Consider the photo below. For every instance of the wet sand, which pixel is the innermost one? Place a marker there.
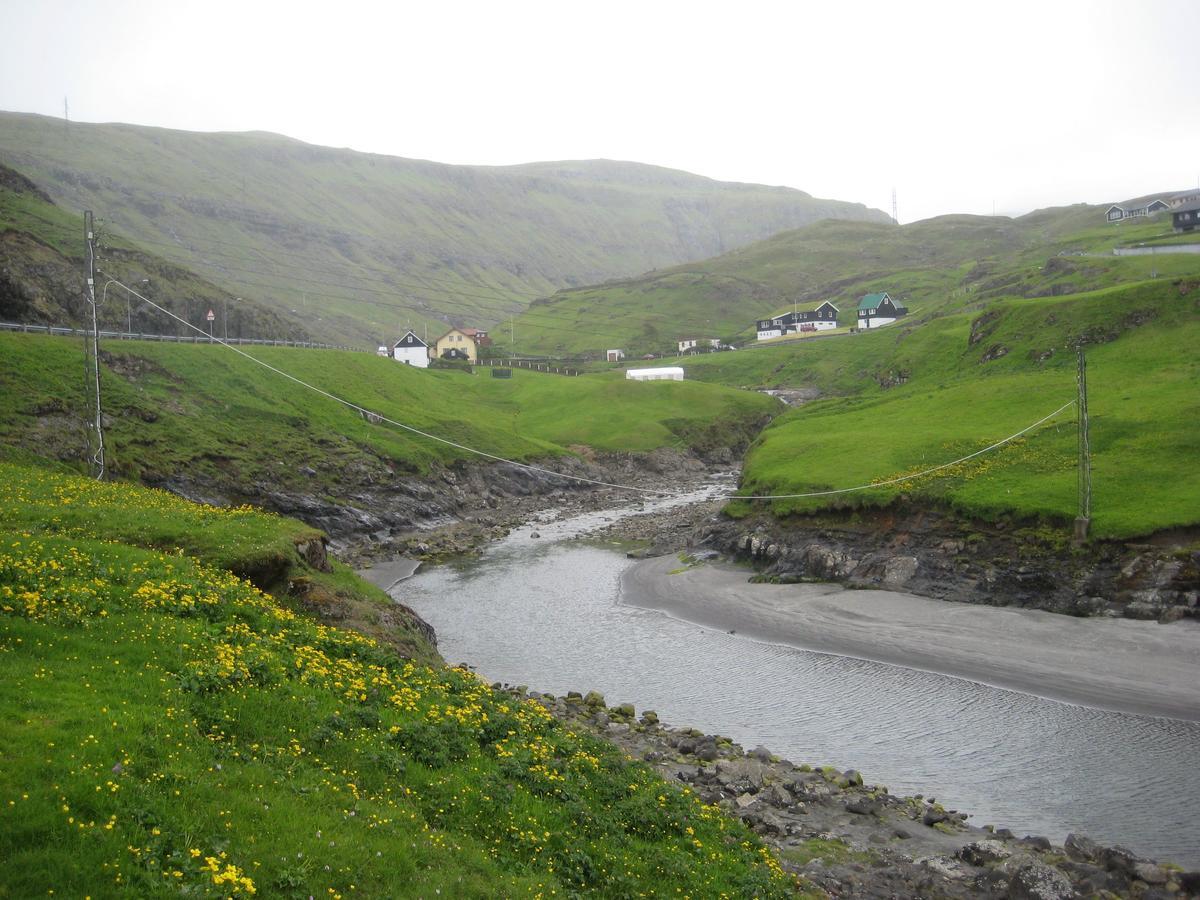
(1137, 667)
(386, 575)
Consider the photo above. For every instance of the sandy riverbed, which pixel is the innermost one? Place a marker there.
(1118, 664)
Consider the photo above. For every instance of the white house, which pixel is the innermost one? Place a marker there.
(667, 373)
(614, 355)
(412, 351)
(823, 318)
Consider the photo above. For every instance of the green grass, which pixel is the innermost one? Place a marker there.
(204, 414)
(167, 728)
(936, 267)
(1145, 412)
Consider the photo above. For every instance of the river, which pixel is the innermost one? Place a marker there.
(546, 612)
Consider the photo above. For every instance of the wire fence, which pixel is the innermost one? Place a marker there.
(185, 339)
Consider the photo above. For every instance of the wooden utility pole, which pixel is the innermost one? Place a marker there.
(1084, 519)
(92, 350)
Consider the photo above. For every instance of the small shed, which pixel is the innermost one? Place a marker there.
(666, 373)
(615, 355)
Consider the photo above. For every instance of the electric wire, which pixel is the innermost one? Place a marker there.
(579, 478)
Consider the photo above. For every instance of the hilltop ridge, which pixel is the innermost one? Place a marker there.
(371, 240)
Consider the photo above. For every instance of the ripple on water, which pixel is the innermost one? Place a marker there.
(547, 615)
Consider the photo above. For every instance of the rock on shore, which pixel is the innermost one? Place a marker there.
(850, 838)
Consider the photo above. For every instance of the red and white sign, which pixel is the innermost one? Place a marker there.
(210, 316)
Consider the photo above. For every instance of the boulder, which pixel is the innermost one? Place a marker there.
(1038, 881)
(980, 853)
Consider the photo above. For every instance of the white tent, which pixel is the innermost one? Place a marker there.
(667, 373)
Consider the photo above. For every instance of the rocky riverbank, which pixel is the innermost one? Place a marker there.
(848, 838)
(933, 553)
(458, 509)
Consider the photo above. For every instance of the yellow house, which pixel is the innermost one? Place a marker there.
(456, 344)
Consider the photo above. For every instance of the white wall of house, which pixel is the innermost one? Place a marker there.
(770, 333)
(413, 356)
(875, 322)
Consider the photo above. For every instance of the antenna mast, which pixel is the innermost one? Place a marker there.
(895, 214)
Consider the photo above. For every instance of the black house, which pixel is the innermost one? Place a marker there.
(1186, 217)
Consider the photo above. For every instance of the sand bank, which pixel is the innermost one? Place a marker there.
(1118, 664)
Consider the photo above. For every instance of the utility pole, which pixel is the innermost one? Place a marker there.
(895, 213)
(92, 350)
(1084, 519)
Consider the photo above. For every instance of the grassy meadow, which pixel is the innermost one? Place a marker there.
(916, 398)
(170, 729)
(203, 411)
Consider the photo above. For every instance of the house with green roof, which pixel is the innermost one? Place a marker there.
(877, 310)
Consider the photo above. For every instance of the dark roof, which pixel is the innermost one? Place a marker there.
(1187, 207)
(415, 341)
(871, 301)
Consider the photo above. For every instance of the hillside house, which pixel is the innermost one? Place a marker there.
(877, 310)
(694, 345)
(823, 318)
(666, 373)
(383, 351)
(1186, 217)
(1183, 198)
(1135, 209)
(457, 343)
(614, 355)
(478, 335)
(412, 351)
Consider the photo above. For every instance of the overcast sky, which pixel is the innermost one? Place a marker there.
(962, 106)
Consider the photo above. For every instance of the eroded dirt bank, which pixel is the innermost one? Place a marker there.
(935, 554)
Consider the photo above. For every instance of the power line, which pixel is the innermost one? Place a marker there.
(532, 468)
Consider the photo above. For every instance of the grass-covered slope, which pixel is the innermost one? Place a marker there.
(914, 398)
(208, 413)
(42, 254)
(168, 729)
(936, 266)
(364, 242)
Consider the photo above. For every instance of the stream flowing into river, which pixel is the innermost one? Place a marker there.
(546, 612)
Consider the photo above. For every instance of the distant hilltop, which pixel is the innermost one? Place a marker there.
(355, 243)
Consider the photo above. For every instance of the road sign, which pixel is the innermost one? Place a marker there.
(210, 316)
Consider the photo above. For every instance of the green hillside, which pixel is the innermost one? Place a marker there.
(903, 400)
(367, 244)
(218, 418)
(169, 729)
(41, 277)
(936, 266)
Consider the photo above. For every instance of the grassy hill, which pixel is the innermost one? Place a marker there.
(41, 276)
(936, 267)
(901, 400)
(217, 417)
(366, 244)
(171, 729)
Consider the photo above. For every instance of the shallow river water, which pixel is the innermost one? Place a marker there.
(546, 612)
